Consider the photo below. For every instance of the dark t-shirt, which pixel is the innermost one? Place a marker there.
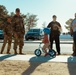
(54, 29)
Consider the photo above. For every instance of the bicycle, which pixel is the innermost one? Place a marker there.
(39, 51)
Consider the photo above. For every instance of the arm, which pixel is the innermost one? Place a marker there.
(14, 26)
(49, 25)
(23, 26)
(45, 39)
(72, 27)
(71, 30)
(59, 27)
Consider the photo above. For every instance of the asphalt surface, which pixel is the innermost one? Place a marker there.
(30, 46)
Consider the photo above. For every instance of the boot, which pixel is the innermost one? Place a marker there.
(2, 51)
(20, 52)
(15, 51)
(8, 51)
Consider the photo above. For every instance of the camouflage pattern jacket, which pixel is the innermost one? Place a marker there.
(7, 28)
(18, 24)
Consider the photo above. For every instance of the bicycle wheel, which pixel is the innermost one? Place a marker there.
(52, 53)
(37, 52)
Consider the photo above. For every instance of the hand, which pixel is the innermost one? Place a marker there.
(57, 26)
(74, 25)
(43, 41)
(5, 35)
(15, 35)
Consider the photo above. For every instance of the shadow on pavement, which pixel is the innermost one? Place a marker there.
(34, 63)
(6, 56)
(72, 65)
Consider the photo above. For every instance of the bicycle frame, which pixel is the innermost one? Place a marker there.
(40, 48)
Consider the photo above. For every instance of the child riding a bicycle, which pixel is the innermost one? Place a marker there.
(46, 40)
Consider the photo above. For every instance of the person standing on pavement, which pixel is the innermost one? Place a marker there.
(73, 33)
(19, 31)
(7, 28)
(55, 33)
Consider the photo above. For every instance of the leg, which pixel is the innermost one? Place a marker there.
(74, 45)
(57, 42)
(73, 49)
(4, 44)
(21, 44)
(51, 42)
(44, 48)
(15, 45)
(9, 44)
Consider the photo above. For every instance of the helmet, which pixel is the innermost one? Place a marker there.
(46, 30)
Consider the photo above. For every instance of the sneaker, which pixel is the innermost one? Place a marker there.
(58, 54)
(15, 52)
(46, 54)
(73, 54)
(1, 53)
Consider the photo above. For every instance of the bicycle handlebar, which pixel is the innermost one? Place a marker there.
(40, 42)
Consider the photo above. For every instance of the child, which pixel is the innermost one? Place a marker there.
(7, 28)
(46, 40)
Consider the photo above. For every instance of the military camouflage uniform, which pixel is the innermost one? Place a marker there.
(7, 28)
(19, 30)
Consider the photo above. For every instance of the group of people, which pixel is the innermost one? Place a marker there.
(14, 26)
(55, 33)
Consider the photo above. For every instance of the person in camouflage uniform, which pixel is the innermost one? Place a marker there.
(19, 31)
(7, 28)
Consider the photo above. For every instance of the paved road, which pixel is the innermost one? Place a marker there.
(30, 46)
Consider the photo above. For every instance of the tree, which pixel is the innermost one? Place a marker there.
(12, 14)
(3, 14)
(68, 22)
(31, 20)
(44, 25)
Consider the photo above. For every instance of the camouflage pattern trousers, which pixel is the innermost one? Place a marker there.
(7, 39)
(19, 41)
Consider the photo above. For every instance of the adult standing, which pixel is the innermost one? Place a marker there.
(73, 33)
(18, 31)
(55, 33)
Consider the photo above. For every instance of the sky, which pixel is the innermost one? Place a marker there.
(44, 9)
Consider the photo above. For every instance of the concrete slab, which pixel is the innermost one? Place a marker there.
(33, 58)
